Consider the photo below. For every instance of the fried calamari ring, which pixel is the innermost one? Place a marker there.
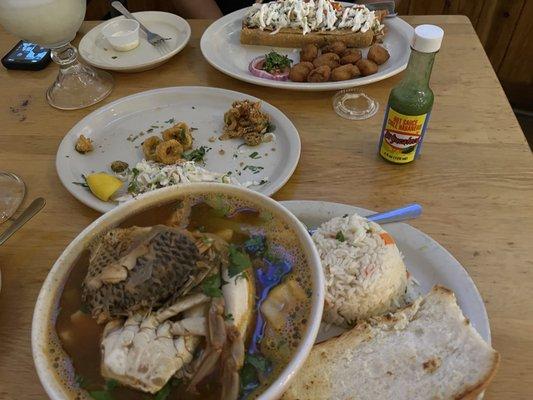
(180, 132)
(169, 152)
(149, 146)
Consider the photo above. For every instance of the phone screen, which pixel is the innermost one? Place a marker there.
(27, 52)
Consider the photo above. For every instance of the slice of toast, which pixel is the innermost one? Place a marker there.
(425, 351)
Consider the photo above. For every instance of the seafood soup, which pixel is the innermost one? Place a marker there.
(206, 297)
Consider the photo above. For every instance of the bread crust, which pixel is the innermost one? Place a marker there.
(473, 392)
(324, 353)
(288, 37)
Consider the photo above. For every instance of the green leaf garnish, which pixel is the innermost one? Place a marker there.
(111, 384)
(101, 395)
(255, 155)
(340, 236)
(275, 62)
(239, 261)
(164, 392)
(255, 169)
(211, 286)
(260, 363)
(196, 155)
(270, 127)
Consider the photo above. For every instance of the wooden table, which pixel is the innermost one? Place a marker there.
(475, 181)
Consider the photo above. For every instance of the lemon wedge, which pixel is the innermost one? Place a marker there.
(103, 185)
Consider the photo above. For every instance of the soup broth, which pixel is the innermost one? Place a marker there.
(278, 270)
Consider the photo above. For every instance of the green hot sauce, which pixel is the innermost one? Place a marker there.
(411, 101)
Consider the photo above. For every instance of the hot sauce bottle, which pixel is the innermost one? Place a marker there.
(410, 102)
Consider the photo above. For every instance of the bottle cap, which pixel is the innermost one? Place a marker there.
(427, 38)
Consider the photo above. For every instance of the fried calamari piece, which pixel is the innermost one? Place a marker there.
(149, 146)
(169, 152)
(84, 145)
(245, 118)
(180, 132)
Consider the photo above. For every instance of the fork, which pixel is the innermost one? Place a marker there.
(153, 38)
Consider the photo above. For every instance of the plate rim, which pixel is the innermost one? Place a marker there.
(137, 67)
(102, 207)
(364, 211)
(402, 25)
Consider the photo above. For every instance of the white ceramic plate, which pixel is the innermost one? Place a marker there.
(428, 261)
(115, 130)
(221, 47)
(97, 51)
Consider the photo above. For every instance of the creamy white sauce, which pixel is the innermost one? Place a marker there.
(311, 16)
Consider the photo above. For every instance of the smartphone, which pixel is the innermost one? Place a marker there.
(28, 56)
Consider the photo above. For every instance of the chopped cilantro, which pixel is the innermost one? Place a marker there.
(270, 127)
(132, 186)
(220, 206)
(101, 395)
(170, 121)
(256, 245)
(260, 363)
(164, 392)
(85, 309)
(255, 366)
(82, 184)
(228, 317)
(263, 181)
(111, 384)
(340, 236)
(255, 155)
(211, 286)
(239, 261)
(80, 381)
(275, 62)
(196, 154)
(253, 168)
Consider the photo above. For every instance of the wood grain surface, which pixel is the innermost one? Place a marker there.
(475, 181)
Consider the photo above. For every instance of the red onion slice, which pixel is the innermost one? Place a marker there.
(255, 69)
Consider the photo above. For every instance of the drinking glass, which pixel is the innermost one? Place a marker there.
(12, 191)
(53, 24)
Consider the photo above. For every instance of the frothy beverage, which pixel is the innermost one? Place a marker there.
(49, 23)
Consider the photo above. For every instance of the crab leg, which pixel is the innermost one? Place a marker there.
(233, 360)
(181, 305)
(216, 339)
(190, 326)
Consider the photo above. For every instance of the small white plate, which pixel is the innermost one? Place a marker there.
(222, 48)
(115, 131)
(96, 50)
(429, 262)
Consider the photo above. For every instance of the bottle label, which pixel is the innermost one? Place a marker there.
(401, 136)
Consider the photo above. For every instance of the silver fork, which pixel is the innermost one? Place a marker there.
(153, 38)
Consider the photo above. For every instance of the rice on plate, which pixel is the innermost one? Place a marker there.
(364, 271)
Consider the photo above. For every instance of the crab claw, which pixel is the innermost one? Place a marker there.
(216, 339)
(233, 360)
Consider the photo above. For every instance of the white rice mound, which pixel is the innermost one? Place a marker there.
(364, 276)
